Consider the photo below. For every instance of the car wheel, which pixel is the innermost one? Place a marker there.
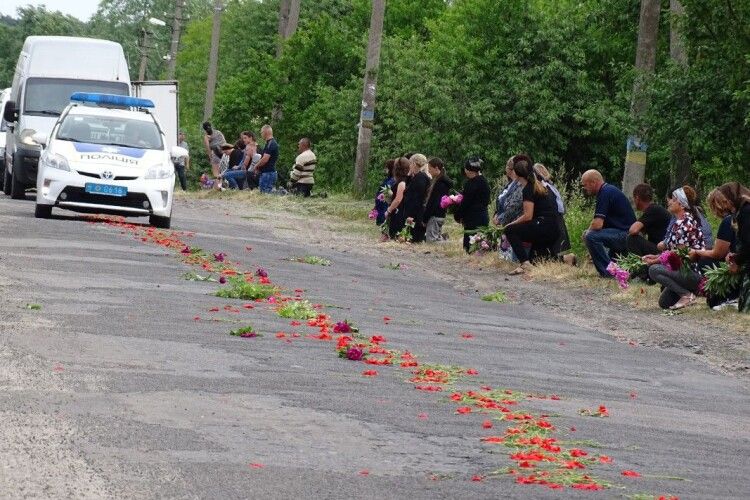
(160, 222)
(43, 211)
(17, 190)
(6, 181)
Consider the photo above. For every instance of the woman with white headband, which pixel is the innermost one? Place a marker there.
(678, 285)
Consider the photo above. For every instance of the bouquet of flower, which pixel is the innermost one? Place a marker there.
(404, 236)
(373, 214)
(676, 260)
(719, 282)
(386, 193)
(451, 200)
(621, 275)
(631, 263)
(484, 239)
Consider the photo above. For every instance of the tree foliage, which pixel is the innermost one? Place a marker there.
(457, 78)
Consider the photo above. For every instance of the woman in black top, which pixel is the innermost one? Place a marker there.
(472, 212)
(738, 204)
(537, 224)
(395, 211)
(414, 196)
(434, 214)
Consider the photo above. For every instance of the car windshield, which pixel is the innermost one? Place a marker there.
(110, 131)
(49, 96)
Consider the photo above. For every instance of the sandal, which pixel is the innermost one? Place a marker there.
(522, 269)
(685, 301)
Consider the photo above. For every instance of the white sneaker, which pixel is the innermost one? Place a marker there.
(734, 303)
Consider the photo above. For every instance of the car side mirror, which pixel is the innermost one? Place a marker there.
(40, 138)
(10, 113)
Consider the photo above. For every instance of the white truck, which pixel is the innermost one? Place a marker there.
(49, 70)
(165, 96)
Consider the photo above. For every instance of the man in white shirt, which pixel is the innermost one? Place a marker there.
(301, 175)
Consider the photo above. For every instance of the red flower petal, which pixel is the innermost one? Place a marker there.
(369, 373)
(477, 478)
(422, 416)
(605, 459)
(487, 424)
(463, 410)
(472, 371)
(467, 335)
(257, 466)
(364, 472)
(630, 473)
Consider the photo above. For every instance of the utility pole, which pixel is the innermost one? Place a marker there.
(369, 92)
(681, 162)
(213, 61)
(176, 28)
(144, 55)
(645, 64)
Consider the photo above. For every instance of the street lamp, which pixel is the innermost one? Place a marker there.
(145, 47)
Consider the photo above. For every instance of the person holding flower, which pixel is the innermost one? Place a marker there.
(434, 212)
(538, 222)
(382, 199)
(724, 244)
(738, 201)
(395, 211)
(472, 211)
(679, 281)
(414, 197)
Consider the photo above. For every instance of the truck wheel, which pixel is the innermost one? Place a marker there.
(43, 211)
(6, 181)
(160, 222)
(17, 190)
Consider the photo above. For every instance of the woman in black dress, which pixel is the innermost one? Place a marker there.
(434, 214)
(414, 197)
(395, 213)
(472, 212)
(538, 222)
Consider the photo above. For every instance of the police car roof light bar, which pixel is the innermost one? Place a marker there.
(112, 100)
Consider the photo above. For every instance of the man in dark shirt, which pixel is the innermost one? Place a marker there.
(653, 222)
(613, 216)
(267, 164)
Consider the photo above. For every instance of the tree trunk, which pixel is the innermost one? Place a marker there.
(367, 116)
(213, 61)
(681, 163)
(288, 21)
(293, 21)
(284, 7)
(176, 29)
(645, 63)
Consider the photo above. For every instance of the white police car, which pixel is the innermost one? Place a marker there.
(107, 154)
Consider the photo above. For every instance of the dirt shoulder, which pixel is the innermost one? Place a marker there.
(721, 339)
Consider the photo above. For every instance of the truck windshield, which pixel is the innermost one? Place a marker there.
(49, 96)
(110, 131)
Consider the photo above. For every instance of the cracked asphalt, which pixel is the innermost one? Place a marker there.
(113, 390)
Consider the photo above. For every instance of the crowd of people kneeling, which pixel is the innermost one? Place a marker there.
(673, 246)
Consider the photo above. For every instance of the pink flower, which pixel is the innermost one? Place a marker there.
(355, 354)
(670, 260)
(222, 280)
(342, 327)
(185, 251)
(373, 214)
(458, 199)
(219, 257)
(622, 276)
(445, 202)
(381, 197)
(260, 272)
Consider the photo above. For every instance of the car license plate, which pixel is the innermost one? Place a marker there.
(106, 189)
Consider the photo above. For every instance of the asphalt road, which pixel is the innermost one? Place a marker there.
(114, 389)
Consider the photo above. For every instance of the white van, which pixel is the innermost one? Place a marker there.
(4, 96)
(49, 70)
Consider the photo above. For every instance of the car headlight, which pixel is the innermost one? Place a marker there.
(53, 160)
(27, 137)
(160, 171)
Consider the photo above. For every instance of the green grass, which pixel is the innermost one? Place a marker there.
(498, 296)
(312, 260)
(297, 310)
(33, 307)
(238, 288)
